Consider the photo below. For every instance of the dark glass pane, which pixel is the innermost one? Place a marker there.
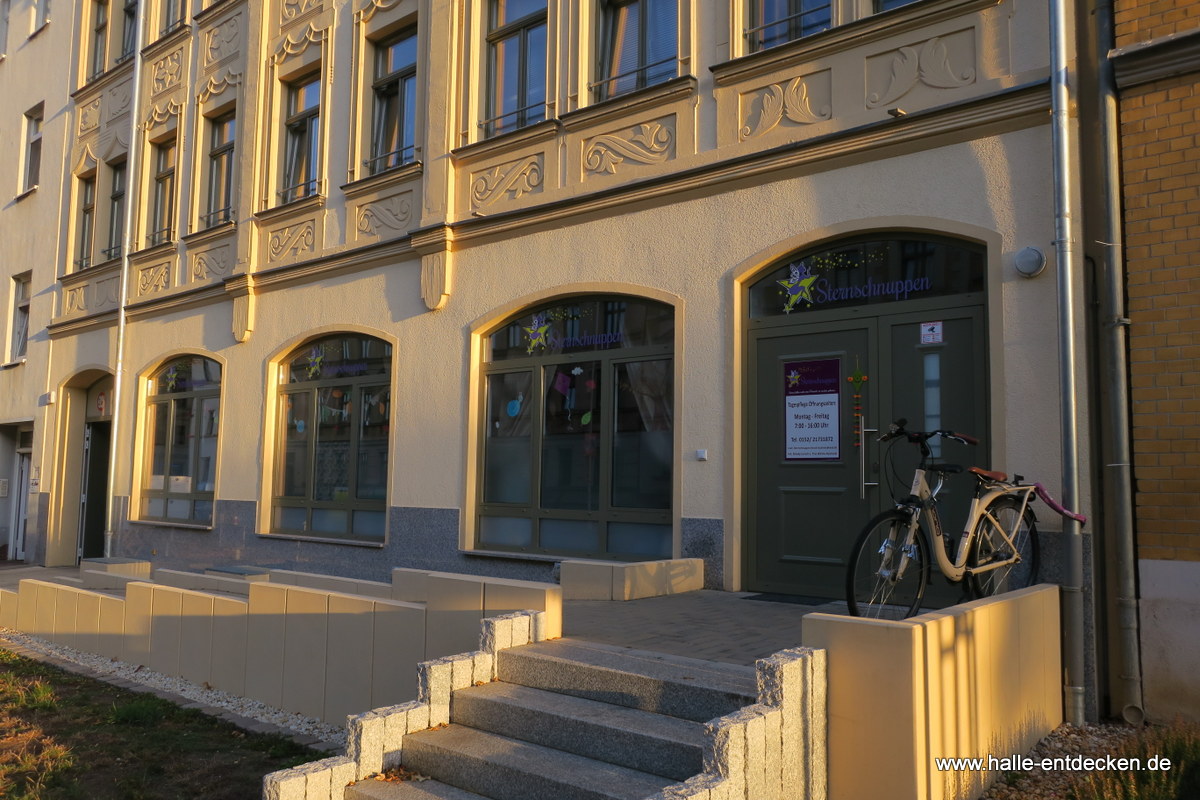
(331, 476)
(158, 422)
(330, 521)
(506, 11)
(343, 356)
(535, 75)
(506, 531)
(868, 273)
(202, 511)
(643, 438)
(295, 416)
(187, 374)
(506, 84)
(624, 51)
(585, 325)
(369, 524)
(373, 442)
(401, 54)
(207, 425)
(888, 5)
(290, 519)
(569, 534)
(508, 452)
(183, 445)
(571, 436)
(639, 539)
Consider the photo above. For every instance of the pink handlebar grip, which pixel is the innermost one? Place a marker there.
(1054, 504)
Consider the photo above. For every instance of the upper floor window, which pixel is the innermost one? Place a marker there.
(41, 14)
(162, 201)
(774, 22)
(5, 6)
(87, 221)
(129, 29)
(99, 37)
(394, 128)
(182, 418)
(33, 147)
(638, 46)
(20, 315)
(219, 205)
(516, 43)
(578, 442)
(334, 411)
(302, 139)
(172, 15)
(116, 211)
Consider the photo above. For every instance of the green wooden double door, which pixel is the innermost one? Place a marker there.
(818, 393)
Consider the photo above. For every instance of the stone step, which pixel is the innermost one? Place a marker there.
(640, 740)
(407, 790)
(509, 769)
(687, 688)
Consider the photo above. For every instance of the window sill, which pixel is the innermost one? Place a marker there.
(162, 247)
(841, 38)
(631, 102)
(404, 172)
(538, 132)
(25, 193)
(14, 363)
(299, 537)
(313, 201)
(513, 555)
(45, 24)
(211, 232)
(157, 523)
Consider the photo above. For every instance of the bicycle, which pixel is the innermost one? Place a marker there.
(997, 551)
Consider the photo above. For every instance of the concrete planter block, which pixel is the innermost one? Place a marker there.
(265, 628)
(586, 580)
(434, 680)
(409, 584)
(110, 635)
(485, 667)
(229, 636)
(772, 719)
(134, 567)
(165, 624)
(289, 784)
(396, 720)
(725, 750)
(139, 608)
(27, 606)
(497, 634)
(453, 610)
(507, 596)
(305, 640)
(347, 667)
(87, 622)
(364, 743)
(196, 637)
(397, 646)
(462, 671)
(9, 602)
(65, 609)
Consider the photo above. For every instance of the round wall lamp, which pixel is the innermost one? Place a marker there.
(1030, 262)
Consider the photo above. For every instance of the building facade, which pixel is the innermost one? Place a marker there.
(1157, 69)
(482, 286)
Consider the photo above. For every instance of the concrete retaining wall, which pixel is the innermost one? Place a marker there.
(974, 680)
(320, 652)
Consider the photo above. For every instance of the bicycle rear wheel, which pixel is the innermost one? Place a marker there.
(885, 578)
(990, 546)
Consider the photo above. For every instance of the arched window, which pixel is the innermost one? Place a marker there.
(578, 450)
(332, 439)
(182, 418)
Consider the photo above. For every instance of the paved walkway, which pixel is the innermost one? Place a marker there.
(717, 626)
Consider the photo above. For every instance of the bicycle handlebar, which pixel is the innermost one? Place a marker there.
(1056, 506)
(897, 429)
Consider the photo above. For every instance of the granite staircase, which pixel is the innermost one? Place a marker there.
(570, 720)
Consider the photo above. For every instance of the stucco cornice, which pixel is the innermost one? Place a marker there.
(1165, 57)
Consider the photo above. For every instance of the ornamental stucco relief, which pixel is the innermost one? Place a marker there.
(153, 279)
(791, 100)
(293, 9)
(647, 143)
(292, 240)
(118, 101)
(89, 117)
(222, 41)
(217, 84)
(943, 62)
(514, 180)
(217, 261)
(75, 300)
(166, 72)
(379, 217)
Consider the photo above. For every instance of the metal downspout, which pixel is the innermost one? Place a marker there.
(132, 173)
(1065, 260)
(1112, 335)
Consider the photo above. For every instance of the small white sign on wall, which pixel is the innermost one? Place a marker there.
(931, 332)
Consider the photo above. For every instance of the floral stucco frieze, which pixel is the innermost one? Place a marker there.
(514, 179)
(153, 279)
(292, 240)
(89, 117)
(647, 143)
(217, 84)
(167, 72)
(222, 41)
(389, 214)
(217, 261)
(790, 100)
(941, 63)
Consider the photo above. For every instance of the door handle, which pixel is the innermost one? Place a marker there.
(862, 462)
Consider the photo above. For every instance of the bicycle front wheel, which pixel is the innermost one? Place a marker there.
(1018, 558)
(886, 577)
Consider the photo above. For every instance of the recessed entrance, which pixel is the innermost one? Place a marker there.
(880, 329)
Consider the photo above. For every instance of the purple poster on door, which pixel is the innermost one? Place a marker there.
(811, 395)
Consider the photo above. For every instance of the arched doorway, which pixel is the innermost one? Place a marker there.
(843, 338)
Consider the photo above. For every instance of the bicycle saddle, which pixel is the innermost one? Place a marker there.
(988, 474)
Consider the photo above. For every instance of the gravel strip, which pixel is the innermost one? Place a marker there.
(244, 712)
(1066, 740)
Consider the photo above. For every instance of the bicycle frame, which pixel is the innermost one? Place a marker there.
(921, 503)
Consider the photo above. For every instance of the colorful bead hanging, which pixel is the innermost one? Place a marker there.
(857, 379)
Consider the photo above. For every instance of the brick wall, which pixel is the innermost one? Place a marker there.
(1160, 136)
(1144, 20)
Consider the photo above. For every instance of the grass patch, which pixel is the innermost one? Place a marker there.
(1179, 742)
(67, 737)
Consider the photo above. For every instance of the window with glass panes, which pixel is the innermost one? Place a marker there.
(21, 293)
(302, 135)
(87, 221)
(578, 441)
(33, 147)
(116, 211)
(162, 200)
(220, 171)
(129, 30)
(774, 22)
(394, 128)
(639, 45)
(331, 453)
(183, 410)
(99, 37)
(172, 15)
(516, 43)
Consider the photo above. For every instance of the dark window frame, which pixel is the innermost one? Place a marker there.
(87, 221)
(162, 194)
(611, 83)
(302, 141)
(393, 90)
(219, 207)
(525, 113)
